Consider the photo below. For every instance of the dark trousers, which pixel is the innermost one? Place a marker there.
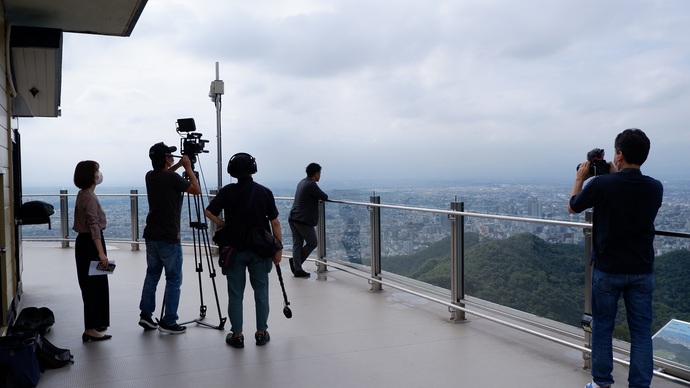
(94, 289)
(304, 242)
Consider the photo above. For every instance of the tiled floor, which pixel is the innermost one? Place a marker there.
(340, 335)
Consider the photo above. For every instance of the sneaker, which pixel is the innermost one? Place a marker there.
(262, 339)
(147, 323)
(235, 342)
(292, 264)
(302, 274)
(595, 385)
(171, 329)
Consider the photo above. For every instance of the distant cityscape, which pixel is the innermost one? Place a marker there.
(403, 231)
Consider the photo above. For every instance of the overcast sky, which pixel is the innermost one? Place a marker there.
(375, 89)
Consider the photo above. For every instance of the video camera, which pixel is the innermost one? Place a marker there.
(597, 164)
(191, 144)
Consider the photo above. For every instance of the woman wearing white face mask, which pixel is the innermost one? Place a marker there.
(89, 223)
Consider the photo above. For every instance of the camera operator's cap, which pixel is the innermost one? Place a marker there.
(160, 151)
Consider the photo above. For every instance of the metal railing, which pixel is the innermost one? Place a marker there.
(455, 299)
(67, 236)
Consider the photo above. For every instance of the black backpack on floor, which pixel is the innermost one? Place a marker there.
(33, 319)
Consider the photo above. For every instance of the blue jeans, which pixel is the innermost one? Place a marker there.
(161, 255)
(637, 294)
(259, 268)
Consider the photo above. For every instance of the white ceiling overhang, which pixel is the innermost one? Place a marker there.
(35, 41)
(101, 17)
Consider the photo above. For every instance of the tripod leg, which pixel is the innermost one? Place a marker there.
(163, 305)
(201, 245)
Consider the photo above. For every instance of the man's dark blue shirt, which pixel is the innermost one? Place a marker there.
(624, 205)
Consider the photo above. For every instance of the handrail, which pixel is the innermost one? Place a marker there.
(495, 216)
(672, 234)
(467, 214)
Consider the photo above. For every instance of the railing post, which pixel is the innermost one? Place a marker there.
(134, 212)
(64, 218)
(321, 239)
(457, 265)
(375, 221)
(587, 317)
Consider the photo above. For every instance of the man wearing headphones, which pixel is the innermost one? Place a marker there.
(245, 205)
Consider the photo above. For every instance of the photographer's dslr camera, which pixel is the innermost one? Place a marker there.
(597, 163)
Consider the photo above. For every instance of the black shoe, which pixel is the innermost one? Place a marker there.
(235, 342)
(171, 329)
(88, 338)
(292, 265)
(147, 323)
(262, 339)
(302, 274)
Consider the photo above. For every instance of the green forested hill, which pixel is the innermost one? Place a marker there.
(527, 273)
(672, 292)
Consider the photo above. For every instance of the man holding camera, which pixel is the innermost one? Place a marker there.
(625, 204)
(164, 190)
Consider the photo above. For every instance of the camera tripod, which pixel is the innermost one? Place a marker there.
(202, 249)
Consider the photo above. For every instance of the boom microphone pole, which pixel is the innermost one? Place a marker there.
(286, 310)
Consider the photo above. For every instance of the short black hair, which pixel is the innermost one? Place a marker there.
(634, 144)
(312, 169)
(85, 174)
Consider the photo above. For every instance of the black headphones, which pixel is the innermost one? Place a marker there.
(241, 164)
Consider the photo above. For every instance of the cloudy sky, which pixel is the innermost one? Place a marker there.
(375, 90)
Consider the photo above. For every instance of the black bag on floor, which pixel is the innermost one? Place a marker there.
(33, 319)
(18, 355)
(50, 356)
(37, 322)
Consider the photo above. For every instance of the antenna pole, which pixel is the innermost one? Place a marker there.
(217, 90)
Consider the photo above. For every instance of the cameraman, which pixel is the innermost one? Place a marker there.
(164, 190)
(625, 205)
